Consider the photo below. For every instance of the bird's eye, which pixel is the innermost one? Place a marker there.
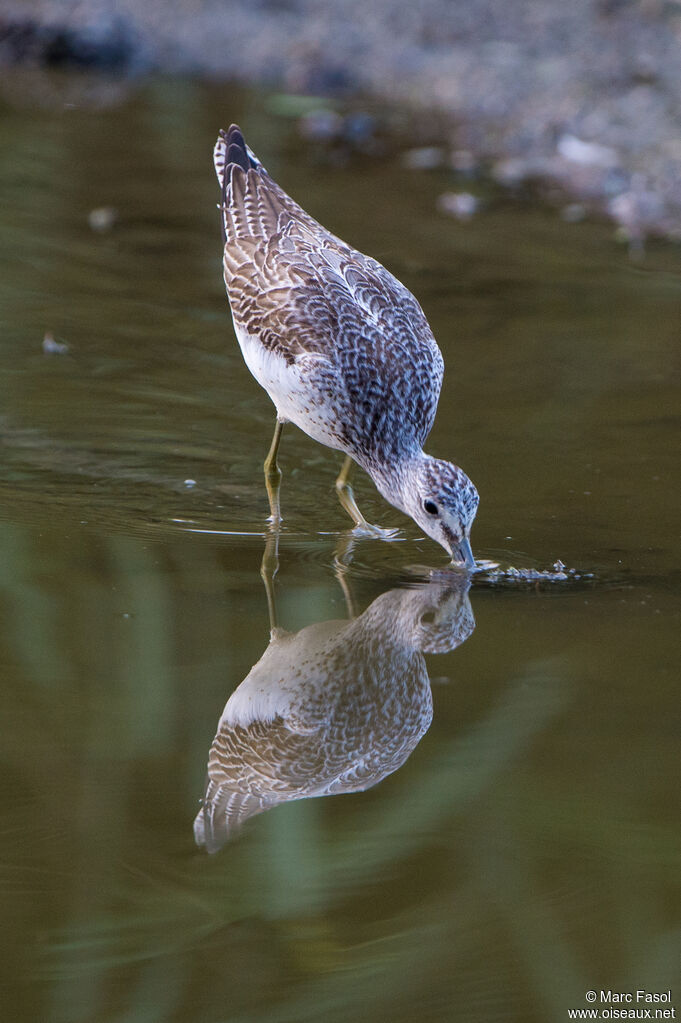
(430, 507)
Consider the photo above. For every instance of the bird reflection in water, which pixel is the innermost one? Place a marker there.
(333, 708)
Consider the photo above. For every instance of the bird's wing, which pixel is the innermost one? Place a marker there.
(304, 293)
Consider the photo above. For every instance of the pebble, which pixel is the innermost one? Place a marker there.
(53, 347)
(102, 218)
(511, 171)
(461, 205)
(591, 154)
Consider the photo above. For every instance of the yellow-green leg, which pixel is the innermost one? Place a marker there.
(347, 497)
(341, 564)
(273, 475)
(268, 570)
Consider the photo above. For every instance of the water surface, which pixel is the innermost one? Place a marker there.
(527, 848)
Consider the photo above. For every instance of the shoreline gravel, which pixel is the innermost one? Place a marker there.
(585, 96)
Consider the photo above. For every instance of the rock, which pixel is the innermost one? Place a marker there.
(53, 347)
(511, 172)
(102, 218)
(637, 212)
(461, 205)
(591, 154)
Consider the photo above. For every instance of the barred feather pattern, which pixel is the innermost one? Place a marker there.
(370, 362)
(333, 708)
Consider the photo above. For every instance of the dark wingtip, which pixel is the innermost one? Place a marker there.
(236, 148)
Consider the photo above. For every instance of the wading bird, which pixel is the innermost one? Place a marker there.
(343, 349)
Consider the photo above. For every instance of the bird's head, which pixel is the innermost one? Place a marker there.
(442, 501)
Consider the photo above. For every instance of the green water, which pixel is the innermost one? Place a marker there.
(528, 847)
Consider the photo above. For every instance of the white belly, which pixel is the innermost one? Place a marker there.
(292, 388)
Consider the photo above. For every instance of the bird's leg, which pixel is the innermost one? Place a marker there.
(341, 566)
(347, 497)
(273, 475)
(268, 569)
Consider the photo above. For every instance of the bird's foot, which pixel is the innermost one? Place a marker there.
(368, 530)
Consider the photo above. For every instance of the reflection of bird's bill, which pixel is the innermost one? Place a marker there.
(462, 555)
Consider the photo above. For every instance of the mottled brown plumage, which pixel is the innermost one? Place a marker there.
(333, 708)
(341, 346)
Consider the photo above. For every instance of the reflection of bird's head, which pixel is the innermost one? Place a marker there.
(433, 618)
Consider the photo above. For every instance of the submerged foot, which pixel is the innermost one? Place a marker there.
(366, 529)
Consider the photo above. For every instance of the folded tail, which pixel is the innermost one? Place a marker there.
(231, 149)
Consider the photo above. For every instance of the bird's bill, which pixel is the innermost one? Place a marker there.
(462, 555)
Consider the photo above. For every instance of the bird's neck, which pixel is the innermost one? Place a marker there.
(397, 481)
